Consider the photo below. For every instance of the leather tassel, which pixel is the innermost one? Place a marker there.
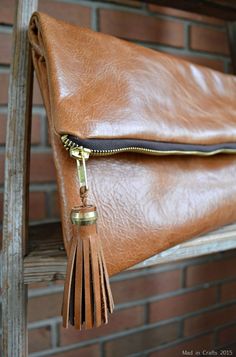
(87, 294)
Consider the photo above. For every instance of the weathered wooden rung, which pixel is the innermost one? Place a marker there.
(15, 217)
(46, 260)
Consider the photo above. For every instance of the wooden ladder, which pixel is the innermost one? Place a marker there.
(41, 257)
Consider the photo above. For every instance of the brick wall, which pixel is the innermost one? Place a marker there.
(163, 310)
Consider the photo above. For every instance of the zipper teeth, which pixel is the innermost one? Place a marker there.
(69, 144)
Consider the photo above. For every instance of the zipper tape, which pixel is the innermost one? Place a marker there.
(103, 147)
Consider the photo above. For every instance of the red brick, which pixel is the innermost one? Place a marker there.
(141, 340)
(5, 48)
(195, 345)
(209, 320)
(209, 40)
(37, 204)
(216, 270)
(227, 336)
(145, 286)
(185, 14)
(55, 205)
(218, 65)
(73, 13)
(228, 291)
(7, 11)
(4, 80)
(91, 351)
(35, 136)
(3, 122)
(181, 304)
(42, 167)
(37, 97)
(144, 28)
(39, 339)
(119, 321)
(36, 129)
(44, 307)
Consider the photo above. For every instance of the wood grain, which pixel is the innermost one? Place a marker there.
(15, 222)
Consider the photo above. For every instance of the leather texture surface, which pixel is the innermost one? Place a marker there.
(96, 86)
(103, 87)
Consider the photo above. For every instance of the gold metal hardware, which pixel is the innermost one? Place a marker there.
(68, 144)
(81, 154)
(82, 218)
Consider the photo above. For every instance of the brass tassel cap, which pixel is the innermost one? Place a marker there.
(87, 294)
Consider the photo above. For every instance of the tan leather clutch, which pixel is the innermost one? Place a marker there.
(147, 138)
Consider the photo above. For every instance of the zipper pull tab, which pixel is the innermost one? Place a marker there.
(81, 154)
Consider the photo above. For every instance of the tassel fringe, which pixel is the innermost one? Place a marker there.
(87, 294)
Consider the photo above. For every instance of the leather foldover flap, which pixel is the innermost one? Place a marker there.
(102, 87)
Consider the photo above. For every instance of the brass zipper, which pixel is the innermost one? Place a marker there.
(81, 154)
(72, 146)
